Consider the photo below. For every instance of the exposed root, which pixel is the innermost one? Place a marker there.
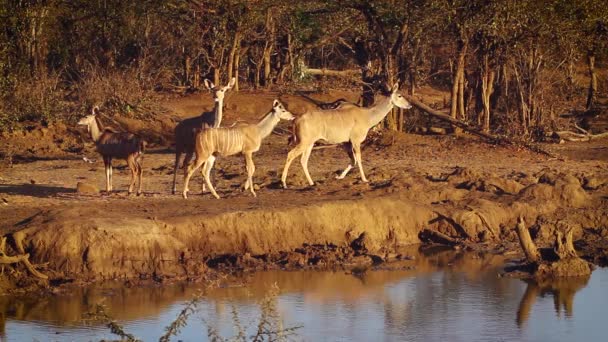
(21, 258)
(438, 237)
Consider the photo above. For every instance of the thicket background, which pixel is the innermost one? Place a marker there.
(510, 66)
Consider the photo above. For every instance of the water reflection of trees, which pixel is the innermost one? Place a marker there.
(464, 292)
(123, 304)
(445, 290)
(562, 290)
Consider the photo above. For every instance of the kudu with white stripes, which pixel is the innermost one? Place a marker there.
(186, 130)
(346, 124)
(246, 139)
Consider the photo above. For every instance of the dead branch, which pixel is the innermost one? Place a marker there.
(564, 248)
(329, 72)
(438, 237)
(574, 137)
(21, 258)
(491, 138)
(529, 247)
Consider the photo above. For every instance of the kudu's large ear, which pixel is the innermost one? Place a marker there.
(95, 110)
(230, 84)
(275, 103)
(209, 84)
(395, 87)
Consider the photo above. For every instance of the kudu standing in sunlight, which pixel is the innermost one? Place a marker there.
(186, 130)
(245, 139)
(112, 144)
(347, 124)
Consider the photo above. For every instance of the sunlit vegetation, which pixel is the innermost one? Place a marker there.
(510, 66)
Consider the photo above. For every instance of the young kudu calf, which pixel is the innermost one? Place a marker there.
(186, 130)
(245, 139)
(346, 124)
(111, 144)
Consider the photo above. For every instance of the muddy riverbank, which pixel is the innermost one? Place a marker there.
(456, 186)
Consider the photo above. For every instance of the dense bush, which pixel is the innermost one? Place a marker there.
(510, 66)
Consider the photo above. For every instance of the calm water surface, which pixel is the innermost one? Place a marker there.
(447, 296)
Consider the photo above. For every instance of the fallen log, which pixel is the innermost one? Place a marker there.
(465, 127)
(575, 137)
(438, 237)
(329, 72)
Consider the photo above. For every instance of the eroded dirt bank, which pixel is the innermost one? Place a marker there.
(106, 247)
(149, 238)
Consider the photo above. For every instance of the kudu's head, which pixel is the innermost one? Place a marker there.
(279, 111)
(218, 91)
(90, 119)
(398, 99)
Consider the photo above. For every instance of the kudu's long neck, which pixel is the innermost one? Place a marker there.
(95, 128)
(267, 124)
(379, 111)
(218, 109)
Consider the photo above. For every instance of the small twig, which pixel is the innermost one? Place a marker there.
(581, 129)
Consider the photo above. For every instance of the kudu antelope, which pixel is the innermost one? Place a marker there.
(245, 139)
(185, 131)
(112, 144)
(346, 124)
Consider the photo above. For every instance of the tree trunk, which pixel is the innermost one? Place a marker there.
(462, 112)
(290, 54)
(363, 60)
(256, 76)
(524, 110)
(487, 88)
(592, 93)
(216, 75)
(268, 47)
(233, 53)
(187, 70)
(457, 74)
(529, 247)
(564, 248)
(457, 104)
(237, 62)
(197, 74)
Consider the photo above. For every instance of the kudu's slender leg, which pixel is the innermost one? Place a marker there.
(187, 160)
(140, 172)
(348, 147)
(250, 171)
(304, 162)
(134, 171)
(111, 173)
(293, 154)
(357, 151)
(208, 166)
(188, 174)
(106, 165)
(178, 154)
